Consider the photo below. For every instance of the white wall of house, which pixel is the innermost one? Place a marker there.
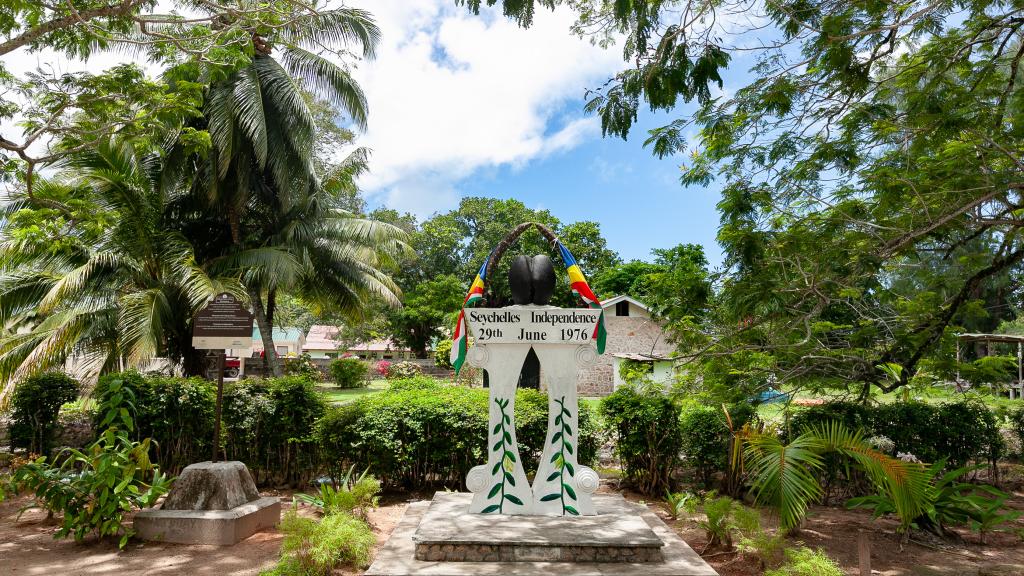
(663, 372)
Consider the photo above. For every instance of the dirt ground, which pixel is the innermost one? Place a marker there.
(27, 546)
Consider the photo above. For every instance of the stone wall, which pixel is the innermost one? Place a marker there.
(625, 334)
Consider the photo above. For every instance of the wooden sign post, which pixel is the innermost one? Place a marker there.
(224, 323)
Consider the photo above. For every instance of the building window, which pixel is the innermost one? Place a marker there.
(622, 308)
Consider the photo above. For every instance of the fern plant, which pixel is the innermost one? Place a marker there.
(352, 496)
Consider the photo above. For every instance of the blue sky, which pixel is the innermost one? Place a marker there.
(475, 106)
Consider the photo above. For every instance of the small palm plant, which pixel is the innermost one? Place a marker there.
(351, 495)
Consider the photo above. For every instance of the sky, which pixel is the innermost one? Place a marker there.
(464, 105)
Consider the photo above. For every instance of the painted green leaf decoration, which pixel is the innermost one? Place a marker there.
(553, 475)
(510, 456)
(497, 466)
(510, 479)
(568, 448)
(494, 490)
(513, 499)
(567, 429)
(507, 419)
(497, 446)
(556, 437)
(508, 437)
(507, 464)
(569, 490)
(569, 467)
(566, 412)
(558, 420)
(491, 508)
(497, 428)
(550, 497)
(571, 510)
(556, 456)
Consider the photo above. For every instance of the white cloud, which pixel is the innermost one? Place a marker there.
(451, 93)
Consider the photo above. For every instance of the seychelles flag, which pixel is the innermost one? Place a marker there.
(579, 286)
(459, 343)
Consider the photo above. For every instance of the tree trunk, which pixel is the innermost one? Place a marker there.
(266, 334)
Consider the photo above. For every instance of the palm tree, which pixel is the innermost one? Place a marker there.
(125, 296)
(259, 182)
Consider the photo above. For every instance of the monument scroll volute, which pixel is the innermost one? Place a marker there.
(565, 341)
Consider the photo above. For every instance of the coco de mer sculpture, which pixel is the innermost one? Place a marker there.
(565, 341)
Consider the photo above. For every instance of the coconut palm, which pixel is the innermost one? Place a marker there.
(259, 183)
(125, 296)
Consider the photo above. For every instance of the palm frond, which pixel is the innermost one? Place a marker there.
(339, 27)
(328, 81)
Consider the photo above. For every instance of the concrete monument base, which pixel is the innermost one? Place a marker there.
(440, 538)
(210, 503)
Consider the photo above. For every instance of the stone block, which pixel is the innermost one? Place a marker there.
(217, 527)
(212, 486)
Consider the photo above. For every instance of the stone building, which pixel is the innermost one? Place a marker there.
(632, 333)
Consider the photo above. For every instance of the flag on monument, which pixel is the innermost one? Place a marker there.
(579, 286)
(459, 342)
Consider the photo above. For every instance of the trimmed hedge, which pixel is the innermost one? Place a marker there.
(421, 434)
(417, 434)
(645, 424)
(963, 431)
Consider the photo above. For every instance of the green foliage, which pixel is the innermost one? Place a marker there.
(679, 502)
(802, 561)
(403, 370)
(427, 308)
(443, 353)
(947, 502)
(315, 548)
(35, 406)
(706, 436)
(95, 487)
(350, 495)
(785, 475)
(635, 371)
(719, 523)
(348, 372)
(176, 412)
(645, 424)
(268, 424)
(304, 367)
(990, 370)
(917, 428)
(1017, 425)
(420, 434)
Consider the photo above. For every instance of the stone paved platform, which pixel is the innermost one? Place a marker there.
(448, 532)
(398, 556)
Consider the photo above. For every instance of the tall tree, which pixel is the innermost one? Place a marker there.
(869, 133)
(124, 290)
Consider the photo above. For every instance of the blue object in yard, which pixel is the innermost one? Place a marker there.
(772, 395)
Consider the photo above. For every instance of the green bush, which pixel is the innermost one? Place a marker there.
(348, 372)
(1017, 425)
(355, 496)
(961, 431)
(315, 548)
(303, 366)
(268, 424)
(648, 436)
(35, 406)
(176, 412)
(415, 383)
(421, 434)
(706, 436)
(803, 561)
(443, 354)
(402, 370)
(92, 489)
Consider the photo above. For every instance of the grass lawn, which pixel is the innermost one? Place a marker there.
(337, 395)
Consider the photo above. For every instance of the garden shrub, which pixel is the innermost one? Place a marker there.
(415, 383)
(381, 368)
(852, 415)
(909, 425)
(421, 434)
(355, 496)
(1017, 425)
(802, 561)
(93, 489)
(35, 406)
(648, 436)
(269, 424)
(967, 431)
(705, 434)
(177, 413)
(402, 370)
(304, 366)
(315, 548)
(348, 372)
(443, 354)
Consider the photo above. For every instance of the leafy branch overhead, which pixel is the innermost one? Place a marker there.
(870, 165)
